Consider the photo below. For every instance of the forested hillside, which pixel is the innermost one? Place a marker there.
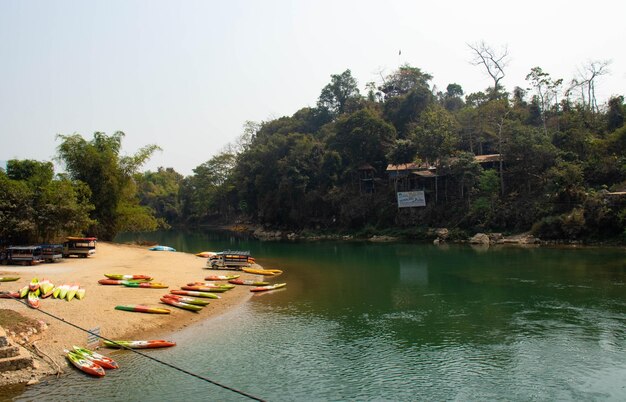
(549, 158)
(559, 162)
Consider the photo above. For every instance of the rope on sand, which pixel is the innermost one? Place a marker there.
(182, 370)
(42, 355)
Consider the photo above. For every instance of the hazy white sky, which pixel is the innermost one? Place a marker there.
(186, 75)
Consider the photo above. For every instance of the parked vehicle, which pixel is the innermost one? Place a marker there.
(230, 260)
(52, 252)
(79, 246)
(23, 255)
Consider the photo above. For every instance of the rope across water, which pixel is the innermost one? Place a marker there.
(182, 370)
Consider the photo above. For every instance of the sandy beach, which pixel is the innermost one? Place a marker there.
(97, 308)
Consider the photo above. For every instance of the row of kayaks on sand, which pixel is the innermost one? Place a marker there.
(37, 290)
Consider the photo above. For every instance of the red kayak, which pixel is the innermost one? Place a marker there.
(122, 276)
(120, 281)
(139, 308)
(179, 304)
(205, 288)
(268, 287)
(187, 299)
(220, 277)
(194, 293)
(158, 343)
(85, 365)
(248, 282)
(101, 360)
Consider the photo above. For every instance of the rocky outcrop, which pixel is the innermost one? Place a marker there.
(16, 363)
(480, 238)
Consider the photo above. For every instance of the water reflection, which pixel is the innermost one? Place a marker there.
(361, 321)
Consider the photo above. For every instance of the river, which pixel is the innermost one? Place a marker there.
(393, 321)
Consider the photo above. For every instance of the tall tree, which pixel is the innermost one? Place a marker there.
(493, 61)
(336, 95)
(110, 177)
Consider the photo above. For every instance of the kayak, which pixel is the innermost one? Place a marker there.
(121, 276)
(180, 304)
(221, 277)
(63, 291)
(211, 285)
(195, 293)
(33, 300)
(139, 308)
(248, 282)
(161, 248)
(23, 292)
(71, 292)
(120, 281)
(9, 295)
(159, 343)
(268, 287)
(214, 289)
(9, 278)
(46, 287)
(56, 291)
(258, 271)
(85, 365)
(80, 293)
(187, 299)
(100, 360)
(206, 254)
(148, 285)
(33, 286)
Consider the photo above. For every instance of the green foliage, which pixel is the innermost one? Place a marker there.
(110, 177)
(36, 208)
(337, 95)
(324, 168)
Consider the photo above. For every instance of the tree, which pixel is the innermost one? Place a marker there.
(436, 135)
(160, 191)
(406, 79)
(336, 95)
(363, 137)
(546, 91)
(110, 178)
(585, 82)
(494, 63)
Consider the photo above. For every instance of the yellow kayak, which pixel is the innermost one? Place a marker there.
(259, 271)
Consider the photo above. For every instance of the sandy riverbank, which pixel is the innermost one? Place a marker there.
(97, 309)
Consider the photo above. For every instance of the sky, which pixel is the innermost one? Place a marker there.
(186, 75)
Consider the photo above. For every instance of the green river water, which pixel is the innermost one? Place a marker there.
(362, 321)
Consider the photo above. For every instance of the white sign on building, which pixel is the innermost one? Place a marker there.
(407, 199)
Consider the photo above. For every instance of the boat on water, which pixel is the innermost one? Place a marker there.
(268, 287)
(151, 344)
(180, 304)
(84, 364)
(140, 308)
(101, 360)
(161, 248)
